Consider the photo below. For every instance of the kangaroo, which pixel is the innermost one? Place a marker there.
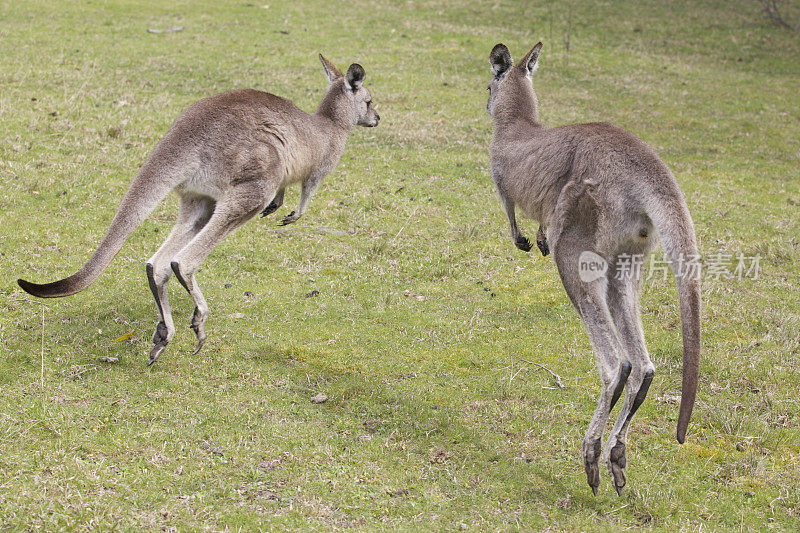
(228, 157)
(600, 189)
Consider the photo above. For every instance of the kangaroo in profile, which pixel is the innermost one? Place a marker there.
(600, 189)
(228, 157)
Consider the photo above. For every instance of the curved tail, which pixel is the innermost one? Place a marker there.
(675, 230)
(145, 193)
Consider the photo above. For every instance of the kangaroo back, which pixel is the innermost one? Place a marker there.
(147, 190)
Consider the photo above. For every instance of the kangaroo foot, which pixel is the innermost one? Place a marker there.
(161, 338)
(288, 219)
(522, 243)
(616, 464)
(199, 327)
(591, 456)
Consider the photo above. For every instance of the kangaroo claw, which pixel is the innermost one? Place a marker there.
(271, 208)
(198, 326)
(543, 247)
(617, 462)
(592, 476)
(199, 345)
(291, 217)
(161, 338)
(155, 352)
(523, 243)
(541, 241)
(591, 454)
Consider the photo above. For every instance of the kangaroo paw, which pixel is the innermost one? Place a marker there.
(543, 247)
(541, 241)
(288, 219)
(198, 325)
(591, 456)
(616, 464)
(523, 243)
(271, 208)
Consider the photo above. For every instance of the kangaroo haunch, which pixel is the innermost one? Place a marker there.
(599, 192)
(228, 157)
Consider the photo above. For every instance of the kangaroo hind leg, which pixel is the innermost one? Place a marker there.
(239, 206)
(623, 300)
(589, 298)
(193, 214)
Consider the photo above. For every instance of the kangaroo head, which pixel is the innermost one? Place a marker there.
(511, 90)
(347, 101)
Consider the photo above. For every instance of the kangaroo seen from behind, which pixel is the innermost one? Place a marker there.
(600, 189)
(228, 157)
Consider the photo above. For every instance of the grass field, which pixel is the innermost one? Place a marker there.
(427, 318)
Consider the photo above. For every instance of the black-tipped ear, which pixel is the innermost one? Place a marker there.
(355, 77)
(330, 69)
(531, 61)
(500, 59)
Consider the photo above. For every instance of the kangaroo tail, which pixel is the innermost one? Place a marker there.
(675, 229)
(145, 193)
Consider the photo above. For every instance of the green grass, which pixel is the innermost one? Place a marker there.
(433, 422)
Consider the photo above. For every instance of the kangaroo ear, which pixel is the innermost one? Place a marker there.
(330, 69)
(500, 59)
(531, 61)
(355, 77)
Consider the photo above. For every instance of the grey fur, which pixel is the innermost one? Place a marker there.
(228, 157)
(595, 187)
